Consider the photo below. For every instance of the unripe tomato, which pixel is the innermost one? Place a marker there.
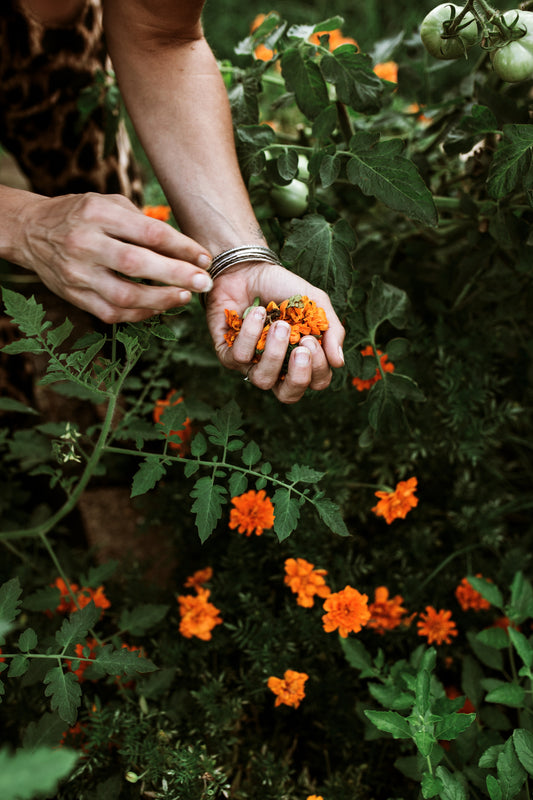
(432, 29)
(514, 61)
(290, 200)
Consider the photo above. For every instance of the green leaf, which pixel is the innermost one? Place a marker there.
(142, 618)
(390, 722)
(386, 303)
(452, 725)
(121, 661)
(46, 599)
(330, 167)
(58, 335)
(44, 732)
(65, 693)
(511, 773)
(304, 474)
(355, 81)
(494, 637)
(9, 604)
(149, 473)
(510, 694)
(522, 646)
(320, 253)
(391, 696)
(251, 454)
(329, 514)
(379, 169)
(238, 484)
(523, 743)
(207, 505)
(453, 786)
(27, 640)
(422, 693)
(226, 424)
(489, 758)
(493, 788)
(487, 655)
(23, 346)
(77, 626)
(425, 741)
(487, 590)
(521, 605)
(303, 77)
(11, 405)
(471, 677)
(28, 773)
(18, 666)
(356, 654)
(286, 513)
(511, 160)
(431, 786)
(27, 314)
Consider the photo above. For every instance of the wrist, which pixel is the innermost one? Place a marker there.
(14, 205)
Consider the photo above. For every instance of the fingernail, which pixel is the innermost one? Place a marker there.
(202, 282)
(302, 355)
(341, 354)
(259, 313)
(203, 261)
(185, 297)
(282, 330)
(310, 342)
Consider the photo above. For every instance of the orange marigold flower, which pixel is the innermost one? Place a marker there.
(198, 578)
(468, 597)
(347, 610)
(184, 433)
(98, 597)
(505, 623)
(289, 690)
(198, 615)
(305, 581)
(415, 108)
(397, 504)
(438, 626)
(83, 597)
(336, 39)
(253, 512)
(314, 797)
(387, 71)
(261, 52)
(385, 613)
(92, 645)
(158, 212)
(386, 366)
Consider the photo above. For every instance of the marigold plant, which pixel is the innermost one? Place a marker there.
(397, 504)
(347, 611)
(198, 615)
(289, 690)
(198, 578)
(387, 366)
(305, 581)
(386, 613)
(438, 626)
(253, 513)
(470, 598)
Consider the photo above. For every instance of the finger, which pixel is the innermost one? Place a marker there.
(243, 349)
(93, 303)
(266, 372)
(126, 294)
(333, 338)
(321, 371)
(140, 262)
(298, 376)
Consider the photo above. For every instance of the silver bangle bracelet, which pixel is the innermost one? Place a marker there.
(238, 255)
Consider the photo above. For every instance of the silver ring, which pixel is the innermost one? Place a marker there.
(247, 376)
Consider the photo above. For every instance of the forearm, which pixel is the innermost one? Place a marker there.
(178, 104)
(14, 204)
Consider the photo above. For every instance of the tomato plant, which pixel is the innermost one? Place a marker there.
(290, 200)
(441, 38)
(513, 61)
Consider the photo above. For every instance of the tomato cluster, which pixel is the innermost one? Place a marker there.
(448, 31)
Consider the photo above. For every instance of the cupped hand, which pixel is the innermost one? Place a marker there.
(91, 248)
(309, 363)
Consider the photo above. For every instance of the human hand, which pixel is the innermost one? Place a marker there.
(309, 363)
(86, 247)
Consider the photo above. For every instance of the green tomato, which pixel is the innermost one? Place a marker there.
(290, 200)
(432, 30)
(514, 61)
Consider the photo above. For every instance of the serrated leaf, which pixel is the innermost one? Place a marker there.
(18, 667)
(77, 626)
(355, 81)
(149, 473)
(386, 303)
(287, 164)
(22, 346)
(391, 696)
(57, 336)
(390, 722)
(523, 743)
(207, 505)
(452, 725)
(329, 514)
(238, 484)
(11, 405)
(511, 160)
(226, 424)
(27, 314)
(303, 77)
(511, 773)
(121, 661)
(286, 513)
(9, 604)
(304, 474)
(190, 468)
(330, 167)
(487, 590)
(47, 731)
(27, 640)
(251, 454)
(453, 787)
(142, 618)
(198, 445)
(27, 774)
(46, 599)
(380, 169)
(65, 693)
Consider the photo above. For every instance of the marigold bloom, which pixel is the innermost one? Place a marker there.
(289, 690)
(184, 433)
(198, 578)
(387, 71)
(253, 512)
(347, 610)
(505, 623)
(415, 108)
(83, 597)
(261, 52)
(385, 613)
(198, 615)
(158, 212)
(436, 625)
(98, 597)
(305, 581)
(397, 504)
(386, 366)
(468, 597)
(314, 797)
(336, 39)
(92, 644)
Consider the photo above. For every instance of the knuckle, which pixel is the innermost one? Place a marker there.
(129, 261)
(123, 295)
(156, 234)
(76, 242)
(90, 206)
(110, 316)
